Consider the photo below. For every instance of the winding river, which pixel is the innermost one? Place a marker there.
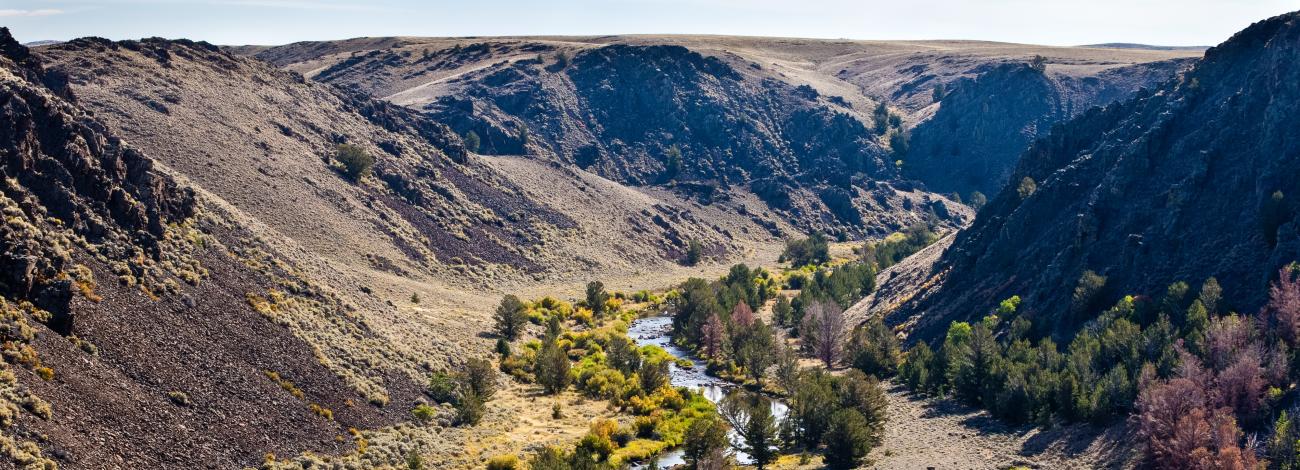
(657, 330)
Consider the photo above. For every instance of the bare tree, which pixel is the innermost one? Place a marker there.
(712, 335)
(823, 331)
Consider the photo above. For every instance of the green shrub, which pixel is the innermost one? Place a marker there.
(424, 413)
(1027, 187)
(694, 251)
(443, 387)
(356, 162)
(471, 141)
(469, 409)
(503, 462)
(811, 250)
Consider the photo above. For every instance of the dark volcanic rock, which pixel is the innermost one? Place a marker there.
(985, 123)
(1196, 178)
(617, 110)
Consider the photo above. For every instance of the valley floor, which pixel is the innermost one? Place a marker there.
(940, 433)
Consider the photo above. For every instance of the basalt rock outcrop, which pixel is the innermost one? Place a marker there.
(1192, 179)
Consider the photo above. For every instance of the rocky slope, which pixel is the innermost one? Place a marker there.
(1192, 179)
(983, 124)
(130, 335)
(792, 120)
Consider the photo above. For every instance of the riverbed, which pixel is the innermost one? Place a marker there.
(657, 330)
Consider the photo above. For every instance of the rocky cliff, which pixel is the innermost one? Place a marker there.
(984, 123)
(1195, 178)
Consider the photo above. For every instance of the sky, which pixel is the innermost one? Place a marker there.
(1050, 22)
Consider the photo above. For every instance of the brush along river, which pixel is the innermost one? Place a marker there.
(657, 330)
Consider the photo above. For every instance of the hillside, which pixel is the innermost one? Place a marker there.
(1189, 180)
(128, 324)
(795, 121)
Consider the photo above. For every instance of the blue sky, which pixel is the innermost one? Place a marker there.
(1167, 22)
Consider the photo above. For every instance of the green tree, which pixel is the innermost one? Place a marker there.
(750, 415)
(1211, 296)
(471, 141)
(847, 440)
(915, 370)
(811, 406)
(469, 409)
(705, 438)
(781, 311)
(653, 375)
(596, 297)
(552, 367)
(672, 163)
(978, 200)
(622, 354)
(356, 162)
(876, 350)
(479, 378)
(812, 250)
(511, 317)
(754, 350)
(694, 251)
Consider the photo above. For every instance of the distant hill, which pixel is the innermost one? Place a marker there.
(1129, 45)
(44, 42)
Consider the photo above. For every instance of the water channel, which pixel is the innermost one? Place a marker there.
(657, 330)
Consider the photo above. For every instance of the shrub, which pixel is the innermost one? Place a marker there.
(1027, 187)
(442, 387)
(978, 200)
(471, 141)
(469, 409)
(812, 250)
(503, 462)
(424, 413)
(356, 162)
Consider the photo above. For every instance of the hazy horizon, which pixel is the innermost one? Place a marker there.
(269, 22)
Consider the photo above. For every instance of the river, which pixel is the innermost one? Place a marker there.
(657, 330)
